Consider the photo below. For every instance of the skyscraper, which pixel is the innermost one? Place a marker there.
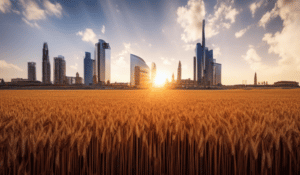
(195, 69)
(31, 71)
(59, 70)
(139, 72)
(179, 72)
(46, 77)
(206, 70)
(102, 57)
(255, 79)
(88, 69)
(153, 73)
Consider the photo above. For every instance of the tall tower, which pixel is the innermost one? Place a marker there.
(59, 70)
(203, 46)
(173, 79)
(195, 69)
(88, 69)
(153, 73)
(102, 57)
(179, 72)
(46, 77)
(255, 79)
(31, 71)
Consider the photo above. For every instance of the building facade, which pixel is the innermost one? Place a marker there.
(139, 72)
(31, 71)
(208, 72)
(88, 69)
(255, 79)
(46, 73)
(59, 70)
(78, 79)
(153, 73)
(179, 72)
(103, 61)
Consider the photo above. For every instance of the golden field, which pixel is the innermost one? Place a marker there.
(150, 131)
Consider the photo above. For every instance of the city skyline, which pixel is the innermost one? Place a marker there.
(247, 37)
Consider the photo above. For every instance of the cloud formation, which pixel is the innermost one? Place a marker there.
(88, 35)
(103, 29)
(75, 67)
(53, 9)
(5, 6)
(252, 58)
(242, 32)
(31, 24)
(286, 42)
(32, 10)
(254, 6)
(167, 61)
(190, 18)
(5, 65)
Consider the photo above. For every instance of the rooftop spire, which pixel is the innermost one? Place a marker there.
(203, 33)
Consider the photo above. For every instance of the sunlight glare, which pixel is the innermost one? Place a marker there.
(160, 79)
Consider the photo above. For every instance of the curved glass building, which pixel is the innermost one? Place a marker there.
(139, 72)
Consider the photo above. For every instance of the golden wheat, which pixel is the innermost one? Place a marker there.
(150, 132)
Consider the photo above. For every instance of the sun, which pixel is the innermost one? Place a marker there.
(160, 79)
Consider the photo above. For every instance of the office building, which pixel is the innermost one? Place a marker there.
(31, 71)
(139, 72)
(46, 73)
(179, 72)
(59, 70)
(255, 79)
(78, 79)
(195, 69)
(153, 73)
(103, 59)
(206, 70)
(88, 69)
(286, 84)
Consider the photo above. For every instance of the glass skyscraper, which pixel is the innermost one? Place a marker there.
(88, 69)
(153, 73)
(139, 72)
(208, 72)
(103, 59)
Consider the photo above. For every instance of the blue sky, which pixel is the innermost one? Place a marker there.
(260, 36)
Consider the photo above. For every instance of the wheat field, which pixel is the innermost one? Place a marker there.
(150, 132)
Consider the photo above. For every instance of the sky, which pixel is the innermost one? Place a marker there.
(260, 36)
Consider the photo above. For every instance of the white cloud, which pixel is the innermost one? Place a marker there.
(31, 24)
(253, 59)
(5, 65)
(5, 6)
(103, 29)
(188, 47)
(74, 66)
(16, 12)
(254, 6)
(53, 9)
(286, 42)
(217, 52)
(242, 32)
(150, 45)
(190, 18)
(167, 61)
(32, 10)
(88, 35)
(268, 16)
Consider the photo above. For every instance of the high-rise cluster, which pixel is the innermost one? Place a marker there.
(206, 70)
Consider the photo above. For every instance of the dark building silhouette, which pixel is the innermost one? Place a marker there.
(88, 69)
(179, 72)
(255, 79)
(195, 69)
(31, 71)
(59, 70)
(46, 77)
(102, 58)
(286, 84)
(208, 72)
